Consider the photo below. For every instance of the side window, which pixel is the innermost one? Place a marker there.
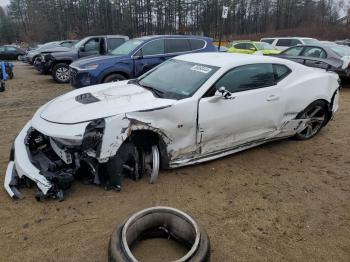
(177, 45)
(11, 49)
(269, 41)
(284, 42)
(92, 45)
(280, 72)
(250, 46)
(247, 77)
(294, 42)
(294, 51)
(155, 47)
(240, 46)
(113, 43)
(197, 44)
(314, 52)
(2, 49)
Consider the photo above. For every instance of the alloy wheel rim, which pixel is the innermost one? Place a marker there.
(315, 118)
(62, 73)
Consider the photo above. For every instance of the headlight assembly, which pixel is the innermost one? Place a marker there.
(91, 66)
(93, 135)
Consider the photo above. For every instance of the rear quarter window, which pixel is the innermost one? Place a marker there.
(280, 72)
(197, 44)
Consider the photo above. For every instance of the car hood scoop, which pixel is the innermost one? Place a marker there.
(86, 98)
(101, 101)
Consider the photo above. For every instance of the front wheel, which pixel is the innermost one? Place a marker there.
(60, 73)
(316, 115)
(114, 78)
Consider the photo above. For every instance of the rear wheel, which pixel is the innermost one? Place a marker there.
(60, 73)
(316, 115)
(114, 78)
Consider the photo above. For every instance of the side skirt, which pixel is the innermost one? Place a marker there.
(218, 154)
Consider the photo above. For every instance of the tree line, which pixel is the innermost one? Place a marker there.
(45, 20)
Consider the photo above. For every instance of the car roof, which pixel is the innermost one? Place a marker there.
(120, 36)
(228, 59)
(320, 44)
(288, 37)
(149, 37)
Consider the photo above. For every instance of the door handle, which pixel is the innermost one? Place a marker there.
(272, 98)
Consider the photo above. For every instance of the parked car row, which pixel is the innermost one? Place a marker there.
(102, 59)
(109, 58)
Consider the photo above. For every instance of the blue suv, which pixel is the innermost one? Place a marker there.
(135, 57)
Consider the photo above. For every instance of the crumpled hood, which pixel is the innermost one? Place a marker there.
(101, 101)
(81, 63)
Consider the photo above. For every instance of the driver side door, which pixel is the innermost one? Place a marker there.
(253, 112)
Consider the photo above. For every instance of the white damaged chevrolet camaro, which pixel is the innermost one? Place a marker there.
(190, 109)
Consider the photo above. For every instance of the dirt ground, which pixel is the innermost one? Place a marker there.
(283, 201)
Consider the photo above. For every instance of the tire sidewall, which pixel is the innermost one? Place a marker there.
(114, 78)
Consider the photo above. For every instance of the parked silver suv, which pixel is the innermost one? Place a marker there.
(282, 43)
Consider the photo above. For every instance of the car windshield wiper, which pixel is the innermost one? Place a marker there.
(152, 89)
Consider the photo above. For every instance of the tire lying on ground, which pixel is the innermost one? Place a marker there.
(159, 222)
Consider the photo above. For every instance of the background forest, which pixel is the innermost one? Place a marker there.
(44, 20)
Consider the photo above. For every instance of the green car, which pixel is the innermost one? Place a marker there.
(253, 47)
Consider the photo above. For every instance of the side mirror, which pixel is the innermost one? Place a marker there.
(225, 93)
(82, 49)
(252, 49)
(138, 55)
(221, 93)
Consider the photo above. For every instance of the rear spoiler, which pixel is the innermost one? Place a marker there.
(323, 63)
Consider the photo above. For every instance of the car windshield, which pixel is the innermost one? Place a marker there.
(310, 41)
(48, 45)
(341, 50)
(127, 47)
(176, 79)
(264, 46)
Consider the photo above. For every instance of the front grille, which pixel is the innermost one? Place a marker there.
(73, 73)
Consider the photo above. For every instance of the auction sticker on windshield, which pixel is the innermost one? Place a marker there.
(202, 69)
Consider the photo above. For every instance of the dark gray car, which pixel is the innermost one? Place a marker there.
(58, 63)
(328, 56)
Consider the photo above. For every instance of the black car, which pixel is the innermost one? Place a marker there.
(9, 52)
(327, 56)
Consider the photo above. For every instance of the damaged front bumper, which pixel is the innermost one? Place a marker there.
(20, 166)
(51, 157)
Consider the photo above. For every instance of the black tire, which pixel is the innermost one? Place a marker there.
(127, 155)
(323, 114)
(60, 73)
(114, 78)
(158, 222)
